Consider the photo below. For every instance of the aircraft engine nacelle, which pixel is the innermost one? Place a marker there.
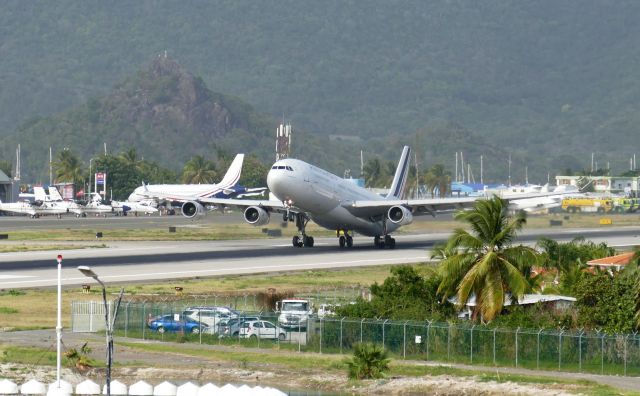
(192, 209)
(400, 215)
(256, 216)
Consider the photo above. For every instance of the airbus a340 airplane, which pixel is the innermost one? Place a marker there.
(228, 187)
(306, 192)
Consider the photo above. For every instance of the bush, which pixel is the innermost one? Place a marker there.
(368, 361)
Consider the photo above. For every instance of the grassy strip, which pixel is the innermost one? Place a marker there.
(336, 364)
(11, 248)
(38, 309)
(241, 230)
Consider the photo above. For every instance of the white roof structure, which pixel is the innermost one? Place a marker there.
(526, 299)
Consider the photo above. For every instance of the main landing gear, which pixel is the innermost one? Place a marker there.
(344, 239)
(386, 242)
(301, 222)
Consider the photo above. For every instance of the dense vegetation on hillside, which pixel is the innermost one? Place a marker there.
(549, 82)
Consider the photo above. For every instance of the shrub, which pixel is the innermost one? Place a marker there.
(368, 361)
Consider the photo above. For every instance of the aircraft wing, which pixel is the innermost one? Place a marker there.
(427, 206)
(417, 206)
(243, 203)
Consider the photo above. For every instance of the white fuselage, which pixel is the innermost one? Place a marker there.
(321, 194)
(178, 190)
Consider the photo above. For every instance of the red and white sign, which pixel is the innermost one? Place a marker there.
(100, 178)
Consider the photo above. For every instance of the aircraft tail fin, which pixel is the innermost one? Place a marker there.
(54, 194)
(400, 178)
(232, 176)
(39, 194)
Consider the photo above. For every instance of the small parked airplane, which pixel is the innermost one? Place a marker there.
(21, 207)
(228, 187)
(55, 198)
(305, 192)
(96, 207)
(144, 207)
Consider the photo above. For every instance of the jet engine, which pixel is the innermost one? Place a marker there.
(192, 209)
(400, 215)
(256, 215)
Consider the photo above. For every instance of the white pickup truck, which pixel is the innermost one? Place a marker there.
(293, 313)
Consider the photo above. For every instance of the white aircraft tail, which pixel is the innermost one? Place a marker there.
(95, 197)
(54, 194)
(400, 178)
(39, 194)
(232, 176)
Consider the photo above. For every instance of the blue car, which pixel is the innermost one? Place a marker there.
(168, 323)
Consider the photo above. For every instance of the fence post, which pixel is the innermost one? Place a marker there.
(471, 348)
(517, 330)
(538, 351)
(580, 350)
(404, 341)
(383, 324)
(560, 348)
(626, 337)
(449, 343)
(361, 330)
(144, 318)
(320, 334)
(494, 345)
(428, 331)
(601, 351)
(341, 335)
(126, 318)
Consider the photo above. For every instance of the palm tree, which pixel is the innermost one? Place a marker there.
(369, 361)
(68, 167)
(372, 172)
(199, 171)
(437, 179)
(486, 265)
(130, 158)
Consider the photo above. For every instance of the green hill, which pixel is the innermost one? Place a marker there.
(549, 81)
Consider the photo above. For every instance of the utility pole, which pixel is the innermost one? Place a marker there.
(481, 171)
(509, 169)
(50, 166)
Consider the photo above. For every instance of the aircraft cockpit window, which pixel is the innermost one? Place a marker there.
(289, 168)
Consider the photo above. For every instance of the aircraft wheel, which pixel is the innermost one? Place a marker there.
(349, 241)
(376, 241)
(295, 241)
(392, 243)
(307, 241)
(342, 241)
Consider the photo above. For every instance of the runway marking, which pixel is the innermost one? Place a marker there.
(272, 267)
(15, 276)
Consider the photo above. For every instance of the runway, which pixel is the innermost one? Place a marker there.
(158, 261)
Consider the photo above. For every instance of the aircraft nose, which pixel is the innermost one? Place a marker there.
(277, 182)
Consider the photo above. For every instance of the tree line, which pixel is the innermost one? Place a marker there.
(126, 171)
(482, 262)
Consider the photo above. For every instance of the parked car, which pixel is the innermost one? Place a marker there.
(262, 329)
(232, 327)
(165, 323)
(210, 316)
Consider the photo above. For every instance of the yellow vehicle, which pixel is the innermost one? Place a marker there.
(626, 205)
(589, 205)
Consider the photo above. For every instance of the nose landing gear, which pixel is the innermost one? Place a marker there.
(301, 221)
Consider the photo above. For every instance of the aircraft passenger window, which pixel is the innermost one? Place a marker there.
(274, 167)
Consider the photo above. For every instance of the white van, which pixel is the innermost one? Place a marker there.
(211, 316)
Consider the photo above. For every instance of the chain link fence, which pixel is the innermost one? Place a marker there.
(547, 349)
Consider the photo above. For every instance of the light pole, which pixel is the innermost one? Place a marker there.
(59, 324)
(88, 272)
(90, 160)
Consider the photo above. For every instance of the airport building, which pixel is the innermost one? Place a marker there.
(604, 184)
(8, 192)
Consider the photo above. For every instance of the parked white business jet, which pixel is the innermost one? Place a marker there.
(305, 192)
(142, 207)
(228, 187)
(96, 207)
(54, 197)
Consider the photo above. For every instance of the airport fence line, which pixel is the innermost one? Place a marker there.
(545, 349)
